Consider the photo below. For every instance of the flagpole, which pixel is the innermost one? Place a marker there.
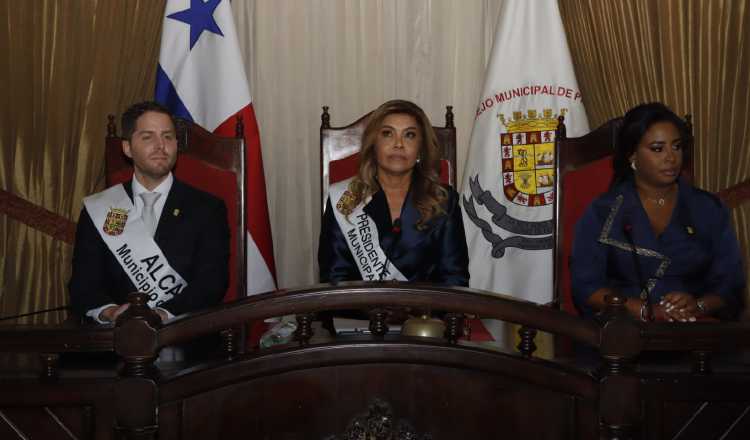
(559, 137)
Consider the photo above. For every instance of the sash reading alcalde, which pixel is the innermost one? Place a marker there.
(362, 238)
(134, 249)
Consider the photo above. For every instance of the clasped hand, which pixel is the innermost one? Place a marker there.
(677, 306)
(110, 314)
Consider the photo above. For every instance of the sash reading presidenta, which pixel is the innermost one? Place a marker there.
(134, 249)
(362, 238)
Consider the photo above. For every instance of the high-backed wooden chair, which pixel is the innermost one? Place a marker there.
(340, 146)
(339, 160)
(583, 167)
(208, 162)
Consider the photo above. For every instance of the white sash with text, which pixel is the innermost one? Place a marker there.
(136, 251)
(363, 240)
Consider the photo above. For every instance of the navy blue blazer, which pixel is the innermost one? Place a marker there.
(697, 253)
(436, 254)
(195, 241)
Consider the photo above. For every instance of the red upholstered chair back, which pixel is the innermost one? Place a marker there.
(339, 150)
(584, 170)
(210, 163)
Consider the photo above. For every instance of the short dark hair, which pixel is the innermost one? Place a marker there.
(135, 111)
(635, 124)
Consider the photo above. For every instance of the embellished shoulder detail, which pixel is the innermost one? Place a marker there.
(607, 228)
(605, 238)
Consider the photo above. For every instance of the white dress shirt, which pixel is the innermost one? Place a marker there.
(163, 188)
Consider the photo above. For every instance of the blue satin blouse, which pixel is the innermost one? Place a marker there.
(436, 254)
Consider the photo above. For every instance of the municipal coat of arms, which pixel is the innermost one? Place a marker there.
(527, 150)
(527, 153)
(114, 224)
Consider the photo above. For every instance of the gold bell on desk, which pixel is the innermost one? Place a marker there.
(423, 326)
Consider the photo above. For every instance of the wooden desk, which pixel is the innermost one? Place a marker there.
(698, 387)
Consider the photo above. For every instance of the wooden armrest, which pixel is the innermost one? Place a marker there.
(735, 195)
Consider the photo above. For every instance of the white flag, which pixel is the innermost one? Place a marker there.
(508, 186)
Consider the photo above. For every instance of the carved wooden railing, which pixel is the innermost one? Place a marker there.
(50, 341)
(139, 335)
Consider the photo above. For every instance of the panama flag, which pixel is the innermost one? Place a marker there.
(201, 78)
(507, 191)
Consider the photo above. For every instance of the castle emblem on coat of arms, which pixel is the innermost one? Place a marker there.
(114, 224)
(527, 151)
(527, 174)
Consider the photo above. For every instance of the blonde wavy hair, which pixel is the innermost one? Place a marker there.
(426, 191)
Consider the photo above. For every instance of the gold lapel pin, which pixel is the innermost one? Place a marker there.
(176, 212)
(690, 230)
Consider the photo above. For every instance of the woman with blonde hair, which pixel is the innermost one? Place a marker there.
(394, 220)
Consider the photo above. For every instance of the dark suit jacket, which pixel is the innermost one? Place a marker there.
(436, 254)
(195, 242)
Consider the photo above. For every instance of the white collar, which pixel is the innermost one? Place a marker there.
(162, 188)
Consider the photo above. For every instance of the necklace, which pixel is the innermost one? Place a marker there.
(660, 199)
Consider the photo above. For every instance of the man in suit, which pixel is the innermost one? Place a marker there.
(152, 234)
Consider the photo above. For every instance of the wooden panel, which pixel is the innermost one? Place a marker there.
(446, 403)
(683, 420)
(57, 422)
(80, 407)
(687, 406)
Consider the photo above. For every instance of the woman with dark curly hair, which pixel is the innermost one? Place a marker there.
(665, 245)
(394, 220)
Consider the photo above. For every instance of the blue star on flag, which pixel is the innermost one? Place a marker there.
(200, 17)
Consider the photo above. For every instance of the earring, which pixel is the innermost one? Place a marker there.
(419, 160)
(632, 165)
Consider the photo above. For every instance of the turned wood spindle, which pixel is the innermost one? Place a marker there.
(527, 346)
(561, 131)
(50, 362)
(138, 359)
(325, 118)
(453, 327)
(229, 342)
(304, 328)
(378, 324)
(449, 116)
(111, 126)
(702, 362)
